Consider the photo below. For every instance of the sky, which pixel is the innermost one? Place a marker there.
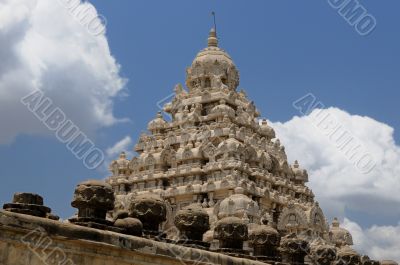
(109, 81)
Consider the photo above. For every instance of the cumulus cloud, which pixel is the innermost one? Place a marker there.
(338, 180)
(120, 146)
(340, 183)
(378, 242)
(43, 46)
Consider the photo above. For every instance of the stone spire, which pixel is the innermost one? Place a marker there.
(216, 153)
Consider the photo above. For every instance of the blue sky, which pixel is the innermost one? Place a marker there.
(283, 49)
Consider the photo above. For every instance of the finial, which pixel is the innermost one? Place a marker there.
(335, 222)
(215, 24)
(212, 38)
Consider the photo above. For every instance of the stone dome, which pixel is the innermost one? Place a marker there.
(157, 124)
(340, 236)
(212, 67)
(239, 205)
(299, 174)
(266, 130)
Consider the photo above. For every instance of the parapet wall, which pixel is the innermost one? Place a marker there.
(38, 241)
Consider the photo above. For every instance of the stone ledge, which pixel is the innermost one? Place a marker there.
(110, 245)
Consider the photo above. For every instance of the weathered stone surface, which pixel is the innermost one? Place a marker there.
(365, 260)
(347, 256)
(322, 254)
(293, 249)
(192, 222)
(93, 198)
(231, 232)
(150, 209)
(121, 215)
(131, 226)
(30, 204)
(28, 198)
(70, 244)
(265, 240)
(340, 236)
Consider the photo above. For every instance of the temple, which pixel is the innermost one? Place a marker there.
(211, 184)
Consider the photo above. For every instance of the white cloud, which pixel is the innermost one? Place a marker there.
(336, 181)
(112, 152)
(120, 146)
(44, 46)
(378, 242)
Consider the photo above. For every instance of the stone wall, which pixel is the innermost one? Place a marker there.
(36, 241)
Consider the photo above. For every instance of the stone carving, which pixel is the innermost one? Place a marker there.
(121, 167)
(340, 236)
(30, 204)
(239, 205)
(192, 222)
(294, 248)
(231, 232)
(151, 210)
(321, 252)
(292, 219)
(347, 256)
(93, 199)
(365, 260)
(265, 241)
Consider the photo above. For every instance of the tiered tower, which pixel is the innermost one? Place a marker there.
(215, 151)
